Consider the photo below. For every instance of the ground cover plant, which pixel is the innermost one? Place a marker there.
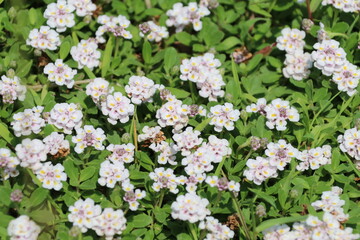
(169, 119)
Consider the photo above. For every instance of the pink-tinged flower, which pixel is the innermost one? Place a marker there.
(56, 142)
(83, 7)
(66, 116)
(86, 54)
(60, 15)
(88, 136)
(83, 214)
(152, 31)
(23, 228)
(43, 38)
(350, 142)
(164, 178)
(112, 173)
(347, 78)
(109, 223)
(51, 176)
(291, 40)
(259, 170)
(8, 163)
(132, 196)
(297, 64)
(118, 108)
(278, 112)
(29, 121)
(11, 89)
(60, 73)
(215, 229)
(31, 153)
(141, 89)
(223, 116)
(121, 153)
(116, 25)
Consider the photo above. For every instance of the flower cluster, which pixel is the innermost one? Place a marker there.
(181, 16)
(223, 184)
(111, 173)
(132, 195)
(109, 223)
(116, 25)
(83, 214)
(121, 153)
(350, 142)
(98, 89)
(166, 152)
(190, 207)
(31, 153)
(141, 89)
(88, 136)
(23, 228)
(280, 154)
(27, 122)
(83, 7)
(347, 78)
(117, 107)
(215, 229)
(297, 64)
(192, 181)
(60, 73)
(11, 89)
(153, 31)
(43, 38)
(59, 15)
(223, 116)
(66, 116)
(86, 54)
(187, 141)
(314, 158)
(203, 70)
(259, 170)
(290, 40)
(173, 113)
(8, 163)
(51, 176)
(56, 144)
(344, 5)
(164, 178)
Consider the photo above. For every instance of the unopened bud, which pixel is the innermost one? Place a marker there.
(87, 19)
(357, 123)
(260, 211)
(37, 53)
(74, 231)
(16, 196)
(125, 138)
(12, 64)
(255, 143)
(12, 13)
(10, 73)
(306, 24)
(175, 70)
(243, 115)
(140, 72)
(294, 193)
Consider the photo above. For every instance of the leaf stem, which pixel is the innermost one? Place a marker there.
(193, 231)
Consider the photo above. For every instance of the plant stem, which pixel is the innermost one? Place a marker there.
(193, 230)
(309, 10)
(241, 217)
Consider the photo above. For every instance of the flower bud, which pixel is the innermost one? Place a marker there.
(74, 231)
(12, 13)
(260, 211)
(10, 73)
(175, 70)
(16, 196)
(244, 115)
(87, 19)
(125, 138)
(37, 52)
(12, 64)
(294, 193)
(306, 24)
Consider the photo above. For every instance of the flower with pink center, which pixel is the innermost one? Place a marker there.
(56, 142)
(86, 53)
(23, 228)
(43, 38)
(83, 214)
(278, 112)
(83, 7)
(223, 116)
(187, 140)
(280, 154)
(112, 173)
(118, 108)
(259, 170)
(60, 15)
(297, 65)
(60, 73)
(116, 25)
(27, 122)
(215, 229)
(347, 78)
(88, 136)
(8, 163)
(121, 153)
(31, 153)
(11, 89)
(259, 106)
(173, 113)
(164, 178)
(51, 176)
(66, 116)
(350, 142)
(132, 195)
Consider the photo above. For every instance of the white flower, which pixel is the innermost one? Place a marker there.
(83, 7)
(116, 25)
(31, 153)
(83, 214)
(219, 147)
(86, 53)
(112, 173)
(173, 113)
(60, 15)
(117, 107)
(259, 170)
(329, 57)
(88, 136)
(199, 161)
(215, 229)
(149, 133)
(140, 89)
(51, 176)
(187, 140)
(27, 122)
(121, 153)
(347, 78)
(132, 196)
(297, 64)
(167, 152)
(223, 116)
(56, 142)
(11, 89)
(8, 163)
(98, 89)
(164, 178)
(153, 32)
(110, 223)
(66, 116)
(43, 38)
(60, 73)
(277, 112)
(259, 106)
(280, 154)
(181, 16)
(314, 158)
(23, 228)
(350, 142)
(223, 184)
(344, 5)
(190, 207)
(291, 40)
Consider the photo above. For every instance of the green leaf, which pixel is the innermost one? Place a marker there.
(87, 173)
(32, 16)
(105, 65)
(72, 172)
(160, 215)
(228, 43)
(237, 87)
(183, 37)
(140, 220)
(269, 223)
(178, 93)
(170, 58)
(266, 197)
(5, 195)
(146, 52)
(314, 4)
(38, 196)
(5, 133)
(64, 49)
(203, 124)
(24, 69)
(254, 62)
(256, 9)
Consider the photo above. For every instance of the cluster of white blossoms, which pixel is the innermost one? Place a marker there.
(121, 153)
(164, 178)
(150, 134)
(223, 184)
(43, 38)
(192, 181)
(314, 158)
(11, 89)
(23, 228)
(66, 116)
(329, 57)
(344, 5)
(347, 78)
(223, 116)
(83, 214)
(166, 152)
(187, 140)
(86, 54)
(132, 195)
(60, 15)
(8, 163)
(117, 107)
(190, 207)
(280, 154)
(215, 229)
(60, 73)
(112, 173)
(350, 142)
(51, 176)
(141, 89)
(98, 89)
(88, 136)
(109, 223)
(116, 25)
(259, 170)
(153, 32)
(203, 70)
(180, 16)
(297, 62)
(173, 113)
(31, 153)
(56, 142)
(329, 228)
(83, 7)
(27, 122)
(277, 113)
